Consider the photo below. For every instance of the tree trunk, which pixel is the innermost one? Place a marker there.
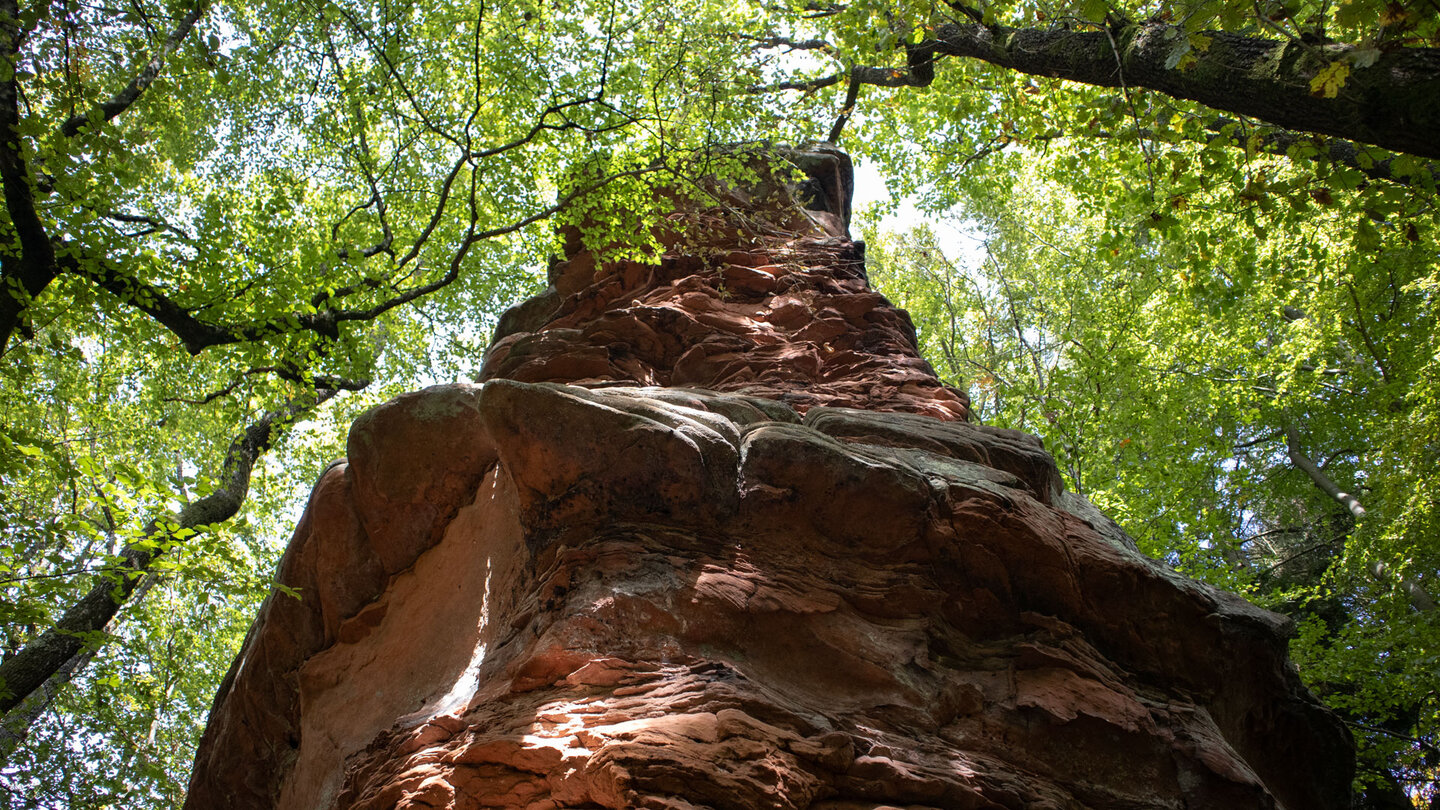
(15, 725)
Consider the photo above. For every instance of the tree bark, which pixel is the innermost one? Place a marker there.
(27, 264)
(1389, 104)
(28, 669)
(1380, 166)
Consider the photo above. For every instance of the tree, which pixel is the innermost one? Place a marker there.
(276, 201)
(271, 204)
(1237, 369)
(1220, 318)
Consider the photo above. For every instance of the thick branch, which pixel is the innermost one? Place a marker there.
(121, 101)
(197, 335)
(25, 671)
(1419, 598)
(1389, 104)
(1346, 153)
(15, 726)
(919, 72)
(803, 85)
(1372, 162)
(25, 274)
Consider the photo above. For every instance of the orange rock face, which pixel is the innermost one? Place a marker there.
(802, 581)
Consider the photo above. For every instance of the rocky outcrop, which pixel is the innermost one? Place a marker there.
(795, 587)
(756, 296)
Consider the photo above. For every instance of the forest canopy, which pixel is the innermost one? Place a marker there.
(1202, 265)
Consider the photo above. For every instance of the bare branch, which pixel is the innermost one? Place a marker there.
(919, 72)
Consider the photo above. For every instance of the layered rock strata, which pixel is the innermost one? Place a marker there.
(801, 591)
(758, 296)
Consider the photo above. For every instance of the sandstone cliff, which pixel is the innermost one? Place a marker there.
(712, 534)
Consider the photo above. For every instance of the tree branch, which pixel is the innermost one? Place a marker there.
(16, 724)
(318, 382)
(1269, 437)
(776, 41)
(919, 72)
(1336, 150)
(1419, 598)
(121, 101)
(27, 670)
(198, 335)
(471, 237)
(25, 274)
(195, 334)
(804, 85)
(1389, 104)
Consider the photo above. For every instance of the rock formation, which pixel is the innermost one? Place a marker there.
(713, 535)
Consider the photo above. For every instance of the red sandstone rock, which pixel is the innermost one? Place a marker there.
(525, 594)
(788, 317)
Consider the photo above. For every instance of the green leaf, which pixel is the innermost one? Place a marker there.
(1179, 51)
(1094, 10)
(1367, 238)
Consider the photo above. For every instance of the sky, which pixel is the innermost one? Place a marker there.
(962, 244)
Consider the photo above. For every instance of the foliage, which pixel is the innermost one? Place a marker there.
(1187, 305)
(1163, 339)
(215, 210)
(316, 196)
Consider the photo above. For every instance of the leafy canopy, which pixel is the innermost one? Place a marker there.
(223, 216)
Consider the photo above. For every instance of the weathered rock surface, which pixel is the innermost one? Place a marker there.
(527, 594)
(778, 312)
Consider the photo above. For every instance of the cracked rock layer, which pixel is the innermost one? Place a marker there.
(540, 595)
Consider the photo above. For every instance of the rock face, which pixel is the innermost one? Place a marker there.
(773, 303)
(794, 577)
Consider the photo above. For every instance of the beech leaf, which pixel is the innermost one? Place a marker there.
(1328, 81)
